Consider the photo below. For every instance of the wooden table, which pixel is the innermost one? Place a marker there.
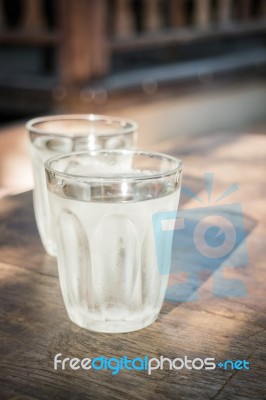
(34, 325)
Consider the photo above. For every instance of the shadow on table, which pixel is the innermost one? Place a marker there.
(19, 239)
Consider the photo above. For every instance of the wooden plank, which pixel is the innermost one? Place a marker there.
(83, 48)
(245, 9)
(124, 23)
(33, 18)
(224, 11)
(184, 36)
(262, 9)
(2, 16)
(185, 71)
(26, 38)
(36, 330)
(152, 19)
(202, 13)
(177, 13)
(18, 249)
(99, 46)
(34, 325)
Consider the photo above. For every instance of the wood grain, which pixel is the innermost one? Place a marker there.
(34, 325)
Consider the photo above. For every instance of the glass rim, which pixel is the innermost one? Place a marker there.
(133, 126)
(113, 177)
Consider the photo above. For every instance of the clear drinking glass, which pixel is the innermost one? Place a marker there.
(63, 134)
(103, 204)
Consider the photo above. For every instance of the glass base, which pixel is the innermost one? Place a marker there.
(113, 326)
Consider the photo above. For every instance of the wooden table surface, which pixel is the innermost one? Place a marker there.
(34, 325)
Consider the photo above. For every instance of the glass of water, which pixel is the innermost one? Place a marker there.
(103, 204)
(63, 134)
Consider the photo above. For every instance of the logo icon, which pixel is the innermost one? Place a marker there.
(201, 240)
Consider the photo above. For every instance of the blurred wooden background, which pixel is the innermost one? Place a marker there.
(90, 51)
(178, 67)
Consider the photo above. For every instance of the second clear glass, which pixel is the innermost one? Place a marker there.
(62, 134)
